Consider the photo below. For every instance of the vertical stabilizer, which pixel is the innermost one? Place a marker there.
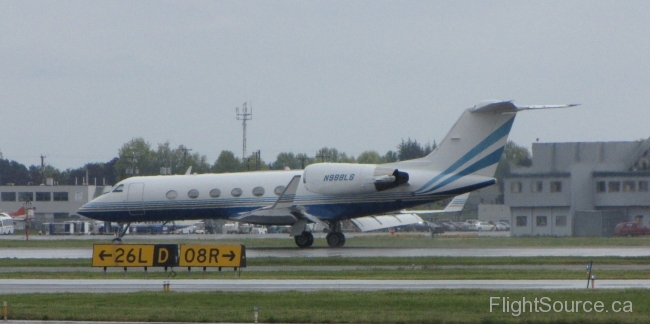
(475, 143)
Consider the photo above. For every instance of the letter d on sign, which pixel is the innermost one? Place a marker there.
(163, 255)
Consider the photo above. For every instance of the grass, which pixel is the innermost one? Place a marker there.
(441, 306)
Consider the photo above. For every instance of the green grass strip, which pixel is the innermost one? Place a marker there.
(440, 306)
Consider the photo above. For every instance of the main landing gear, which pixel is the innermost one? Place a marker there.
(305, 239)
(121, 232)
(335, 237)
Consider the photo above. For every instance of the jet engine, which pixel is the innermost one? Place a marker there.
(347, 178)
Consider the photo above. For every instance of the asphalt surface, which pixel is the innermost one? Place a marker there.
(626, 251)
(27, 286)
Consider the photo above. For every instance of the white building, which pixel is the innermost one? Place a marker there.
(580, 189)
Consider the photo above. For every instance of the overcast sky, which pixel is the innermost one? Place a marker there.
(78, 79)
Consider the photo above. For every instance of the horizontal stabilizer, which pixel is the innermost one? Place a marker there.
(455, 205)
(371, 223)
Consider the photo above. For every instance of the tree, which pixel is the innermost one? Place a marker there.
(412, 150)
(513, 154)
(136, 158)
(226, 162)
(370, 157)
(391, 156)
(285, 159)
(14, 172)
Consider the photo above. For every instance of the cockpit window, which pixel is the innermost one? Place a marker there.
(119, 188)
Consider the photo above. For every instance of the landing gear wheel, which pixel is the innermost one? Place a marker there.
(335, 239)
(306, 239)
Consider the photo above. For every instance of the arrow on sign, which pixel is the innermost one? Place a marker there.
(102, 255)
(231, 255)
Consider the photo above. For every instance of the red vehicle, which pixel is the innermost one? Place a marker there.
(631, 228)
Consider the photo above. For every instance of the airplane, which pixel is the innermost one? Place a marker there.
(20, 215)
(406, 217)
(324, 193)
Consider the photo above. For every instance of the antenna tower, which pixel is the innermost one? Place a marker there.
(244, 116)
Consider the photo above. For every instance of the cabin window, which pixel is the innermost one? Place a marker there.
(258, 192)
(541, 221)
(8, 196)
(193, 193)
(236, 192)
(215, 193)
(171, 194)
(119, 188)
(279, 190)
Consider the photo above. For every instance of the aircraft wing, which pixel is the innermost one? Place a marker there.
(371, 223)
(283, 211)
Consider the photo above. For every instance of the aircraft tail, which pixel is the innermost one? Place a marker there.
(474, 144)
(19, 212)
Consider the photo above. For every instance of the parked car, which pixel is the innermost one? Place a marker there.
(447, 224)
(503, 226)
(631, 228)
(485, 226)
(471, 225)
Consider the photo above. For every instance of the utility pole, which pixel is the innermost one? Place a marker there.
(244, 116)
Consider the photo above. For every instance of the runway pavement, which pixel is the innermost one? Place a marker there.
(624, 251)
(25, 286)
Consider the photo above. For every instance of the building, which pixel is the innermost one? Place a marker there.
(580, 189)
(51, 203)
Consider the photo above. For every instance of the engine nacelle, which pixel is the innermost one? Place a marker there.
(346, 178)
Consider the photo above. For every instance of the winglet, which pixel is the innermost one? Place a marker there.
(289, 193)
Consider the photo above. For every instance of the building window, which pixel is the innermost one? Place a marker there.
(643, 186)
(61, 216)
(560, 221)
(537, 186)
(614, 186)
(601, 186)
(540, 221)
(556, 186)
(25, 196)
(8, 196)
(60, 196)
(43, 196)
(515, 187)
(629, 186)
(522, 220)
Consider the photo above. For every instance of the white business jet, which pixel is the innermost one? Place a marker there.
(329, 193)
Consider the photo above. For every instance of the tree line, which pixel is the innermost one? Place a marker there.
(139, 157)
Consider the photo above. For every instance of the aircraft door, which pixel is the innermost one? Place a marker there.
(135, 198)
